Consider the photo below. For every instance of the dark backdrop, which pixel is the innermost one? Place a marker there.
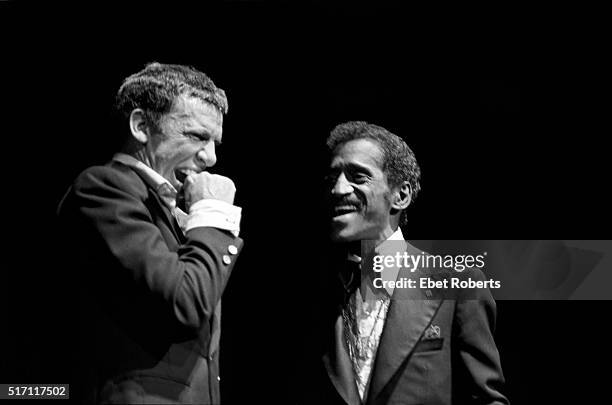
(504, 111)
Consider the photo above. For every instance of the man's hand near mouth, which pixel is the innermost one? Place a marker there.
(205, 185)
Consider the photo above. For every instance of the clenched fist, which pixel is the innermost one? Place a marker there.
(206, 185)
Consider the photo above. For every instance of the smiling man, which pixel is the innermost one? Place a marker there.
(391, 345)
(151, 238)
(363, 199)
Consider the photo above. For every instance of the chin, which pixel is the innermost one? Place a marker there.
(336, 238)
(178, 186)
(342, 235)
(175, 183)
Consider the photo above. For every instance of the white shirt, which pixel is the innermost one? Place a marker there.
(370, 316)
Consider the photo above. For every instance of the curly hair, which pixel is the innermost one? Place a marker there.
(399, 163)
(155, 89)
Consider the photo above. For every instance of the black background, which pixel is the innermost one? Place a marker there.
(503, 108)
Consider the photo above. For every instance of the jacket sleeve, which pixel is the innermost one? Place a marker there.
(189, 281)
(480, 379)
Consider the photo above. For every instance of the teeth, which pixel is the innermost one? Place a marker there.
(181, 174)
(345, 209)
(189, 171)
(184, 173)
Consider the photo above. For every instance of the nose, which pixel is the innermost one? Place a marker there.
(342, 186)
(206, 156)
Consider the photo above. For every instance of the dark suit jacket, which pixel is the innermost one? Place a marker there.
(149, 297)
(460, 367)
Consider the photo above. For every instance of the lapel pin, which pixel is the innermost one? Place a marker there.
(433, 332)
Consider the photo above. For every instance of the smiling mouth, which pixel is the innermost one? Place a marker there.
(341, 210)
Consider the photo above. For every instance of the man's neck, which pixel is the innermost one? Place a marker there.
(141, 155)
(367, 246)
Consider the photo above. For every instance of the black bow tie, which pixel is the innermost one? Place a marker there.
(350, 273)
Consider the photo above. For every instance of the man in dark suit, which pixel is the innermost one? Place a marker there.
(151, 238)
(388, 344)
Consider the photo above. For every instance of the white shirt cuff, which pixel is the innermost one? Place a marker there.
(215, 214)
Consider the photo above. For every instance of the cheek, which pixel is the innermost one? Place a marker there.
(371, 199)
(377, 205)
(177, 151)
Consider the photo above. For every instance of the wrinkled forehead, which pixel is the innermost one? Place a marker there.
(195, 109)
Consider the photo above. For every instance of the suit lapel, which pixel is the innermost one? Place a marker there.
(339, 367)
(410, 313)
(155, 203)
(167, 215)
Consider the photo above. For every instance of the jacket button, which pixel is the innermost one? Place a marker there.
(226, 259)
(232, 249)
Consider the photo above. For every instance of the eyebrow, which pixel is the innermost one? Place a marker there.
(202, 131)
(354, 167)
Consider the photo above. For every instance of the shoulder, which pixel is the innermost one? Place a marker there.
(474, 273)
(112, 176)
(476, 295)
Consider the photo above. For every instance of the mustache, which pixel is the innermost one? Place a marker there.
(347, 201)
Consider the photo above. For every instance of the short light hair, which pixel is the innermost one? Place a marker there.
(156, 88)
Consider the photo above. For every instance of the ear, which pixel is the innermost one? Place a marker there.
(138, 126)
(402, 196)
